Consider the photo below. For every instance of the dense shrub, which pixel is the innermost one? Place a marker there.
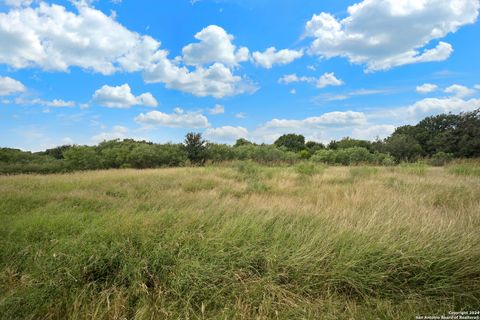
(170, 155)
(43, 166)
(291, 142)
(304, 154)
(220, 152)
(351, 156)
(266, 154)
(403, 148)
(448, 133)
(440, 159)
(246, 168)
(308, 168)
(383, 159)
(324, 156)
(82, 158)
(347, 143)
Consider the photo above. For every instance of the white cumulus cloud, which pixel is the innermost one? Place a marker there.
(18, 3)
(426, 88)
(226, 134)
(118, 132)
(122, 97)
(373, 132)
(331, 125)
(178, 119)
(325, 80)
(271, 57)
(434, 106)
(328, 79)
(383, 34)
(55, 103)
(51, 37)
(218, 109)
(217, 80)
(336, 118)
(215, 46)
(459, 91)
(9, 86)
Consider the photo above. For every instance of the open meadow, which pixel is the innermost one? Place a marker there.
(241, 241)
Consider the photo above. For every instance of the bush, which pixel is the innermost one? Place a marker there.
(46, 166)
(355, 155)
(265, 154)
(291, 142)
(347, 143)
(351, 156)
(220, 152)
(362, 172)
(82, 158)
(383, 159)
(171, 155)
(306, 168)
(403, 147)
(440, 159)
(14, 161)
(324, 156)
(247, 168)
(304, 154)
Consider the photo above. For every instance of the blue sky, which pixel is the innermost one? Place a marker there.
(82, 71)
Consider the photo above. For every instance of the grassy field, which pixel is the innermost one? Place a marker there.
(241, 242)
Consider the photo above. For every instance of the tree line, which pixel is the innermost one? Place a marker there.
(438, 139)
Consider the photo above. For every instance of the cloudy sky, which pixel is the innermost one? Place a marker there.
(85, 71)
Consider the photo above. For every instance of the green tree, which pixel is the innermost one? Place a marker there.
(403, 147)
(82, 158)
(468, 135)
(57, 152)
(195, 148)
(220, 152)
(241, 142)
(313, 146)
(292, 142)
(349, 143)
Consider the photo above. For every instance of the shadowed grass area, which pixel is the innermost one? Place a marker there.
(239, 242)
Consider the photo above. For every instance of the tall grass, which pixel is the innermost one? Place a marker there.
(215, 243)
(417, 168)
(465, 169)
(309, 168)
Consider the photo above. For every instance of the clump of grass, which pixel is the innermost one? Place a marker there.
(247, 169)
(198, 185)
(116, 194)
(362, 172)
(257, 187)
(308, 169)
(465, 170)
(417, 168)
(452, 198)
(395, 183)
